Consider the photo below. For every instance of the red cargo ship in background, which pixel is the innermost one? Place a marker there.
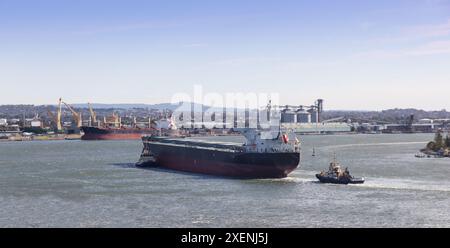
(112, 129)
(123, 133)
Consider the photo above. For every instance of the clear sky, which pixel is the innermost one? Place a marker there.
(356, 54)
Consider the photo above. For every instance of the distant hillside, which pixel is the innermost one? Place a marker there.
(390, 115)
(159, 106)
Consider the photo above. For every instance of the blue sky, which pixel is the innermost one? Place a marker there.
(355, 54)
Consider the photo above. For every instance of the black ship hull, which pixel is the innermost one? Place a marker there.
(221, 162)
(335, 180)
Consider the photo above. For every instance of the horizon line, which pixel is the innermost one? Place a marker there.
(327, 110)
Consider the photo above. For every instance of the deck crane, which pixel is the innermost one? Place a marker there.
(57, 118)
(76, 116)
(52, 116)
(93, 114)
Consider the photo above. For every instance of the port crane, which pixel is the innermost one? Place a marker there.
(76, 116)
(57, 118)
(114, 121)
(93, 114)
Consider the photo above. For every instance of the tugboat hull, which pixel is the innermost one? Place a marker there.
(335, 180)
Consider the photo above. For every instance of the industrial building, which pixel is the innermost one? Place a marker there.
(307, 120)
(321, 127)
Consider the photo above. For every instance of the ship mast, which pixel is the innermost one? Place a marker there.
(57, 118)
(93, 114)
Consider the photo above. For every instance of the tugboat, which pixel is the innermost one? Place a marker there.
(336, 175)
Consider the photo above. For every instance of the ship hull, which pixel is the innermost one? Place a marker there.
(95, 133)
(223, 163)
(334, 180)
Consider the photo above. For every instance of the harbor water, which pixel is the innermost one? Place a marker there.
(95, 184)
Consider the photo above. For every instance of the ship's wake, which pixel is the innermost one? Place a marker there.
(404, 184)
(308, 177)
(373, 144)
(290, 179)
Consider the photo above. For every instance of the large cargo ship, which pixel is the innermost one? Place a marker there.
(265, 154)
(107, 133)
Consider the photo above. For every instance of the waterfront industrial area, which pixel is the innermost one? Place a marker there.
(66, 121)
(243, 115)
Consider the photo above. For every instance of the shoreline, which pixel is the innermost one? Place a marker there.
(19, 138)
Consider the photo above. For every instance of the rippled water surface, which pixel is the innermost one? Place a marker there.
(95, 184)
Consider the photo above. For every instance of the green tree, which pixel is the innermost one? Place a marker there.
(431, 145)
(447, 141)
(438, 140)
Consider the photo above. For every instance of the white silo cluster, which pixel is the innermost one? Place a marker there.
(302, 114)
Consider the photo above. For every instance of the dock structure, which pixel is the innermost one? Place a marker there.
(318, 128)
(303, 119)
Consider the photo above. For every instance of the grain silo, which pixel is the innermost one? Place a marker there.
(303, 116)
